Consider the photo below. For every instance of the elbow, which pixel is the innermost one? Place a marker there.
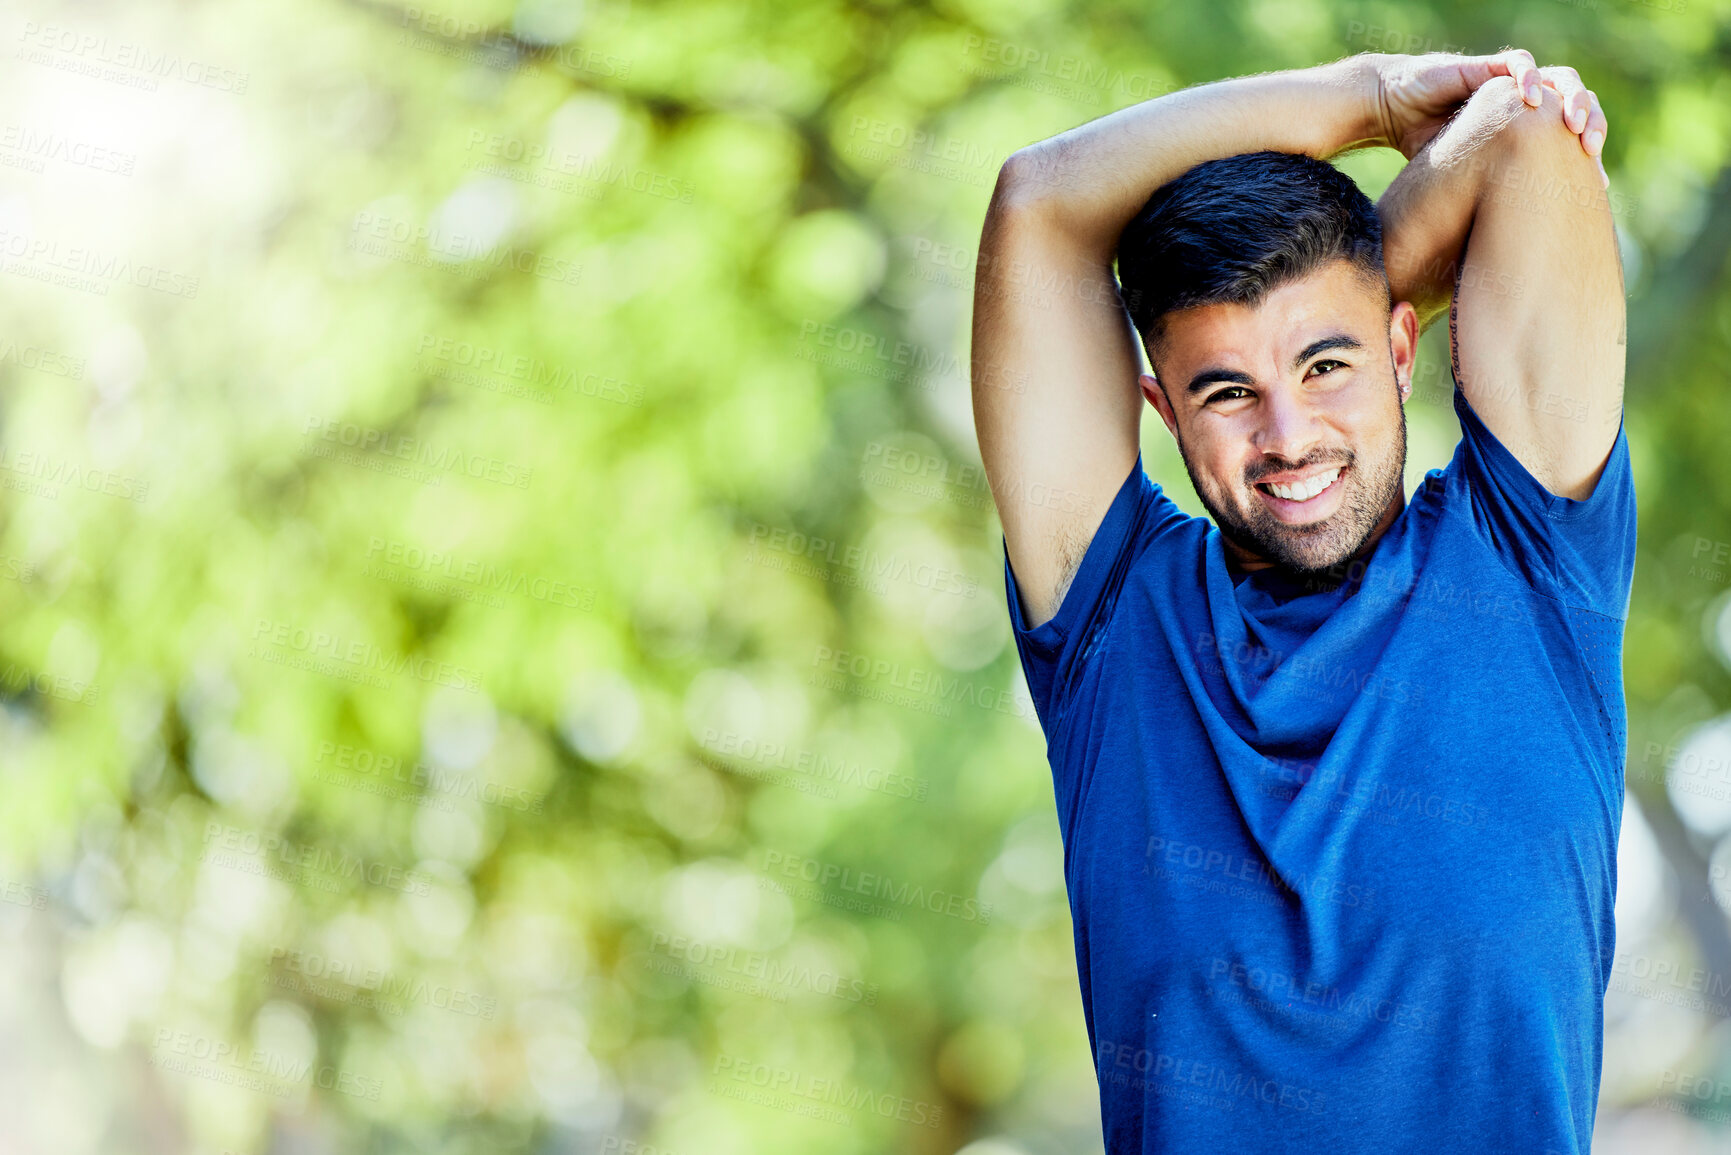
(1027, 183)
(1533, 151)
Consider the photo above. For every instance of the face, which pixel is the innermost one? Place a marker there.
(1289, 416)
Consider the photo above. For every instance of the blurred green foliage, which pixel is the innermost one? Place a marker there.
(504, 632)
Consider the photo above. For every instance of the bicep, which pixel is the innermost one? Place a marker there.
(1056, 405)
(1538, 322)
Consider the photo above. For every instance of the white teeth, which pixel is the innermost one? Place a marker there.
(1305, 490)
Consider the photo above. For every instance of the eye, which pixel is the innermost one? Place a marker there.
(1321, 363)
(1223, 395)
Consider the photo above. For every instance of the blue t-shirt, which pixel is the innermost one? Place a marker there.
(1342, 863)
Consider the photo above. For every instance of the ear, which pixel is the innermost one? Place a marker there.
(1403, 345)
(1157, 397)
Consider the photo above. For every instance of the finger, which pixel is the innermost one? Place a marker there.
(1593, 138)
(1511, 62)
(1577, 106)
(1525, 70)
(1475, 70)
(1577, 101)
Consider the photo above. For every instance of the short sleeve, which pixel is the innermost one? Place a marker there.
(1579, 551)
(1054, 652)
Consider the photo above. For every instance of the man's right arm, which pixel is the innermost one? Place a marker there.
(1054, 356)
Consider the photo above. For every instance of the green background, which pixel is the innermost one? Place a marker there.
(503, 631)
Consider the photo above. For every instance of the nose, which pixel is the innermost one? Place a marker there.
(1290, 427)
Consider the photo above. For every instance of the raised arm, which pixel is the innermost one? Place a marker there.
(1505, 211)
(1054, 358)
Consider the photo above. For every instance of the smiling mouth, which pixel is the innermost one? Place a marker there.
(1306, 490)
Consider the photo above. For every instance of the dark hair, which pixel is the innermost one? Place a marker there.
(1232, 229)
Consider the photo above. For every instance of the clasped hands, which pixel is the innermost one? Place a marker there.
(1416, 96)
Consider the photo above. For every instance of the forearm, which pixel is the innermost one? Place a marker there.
(1427, 212)
(1091, 180)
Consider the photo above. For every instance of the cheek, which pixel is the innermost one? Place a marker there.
(1371, 403)
(1224, 467)
(1362, 423)
(1218, 455)
(1374, 430)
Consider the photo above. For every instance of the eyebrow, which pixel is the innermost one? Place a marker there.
(1211, 376)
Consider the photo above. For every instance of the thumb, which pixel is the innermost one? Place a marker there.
(1475, 70)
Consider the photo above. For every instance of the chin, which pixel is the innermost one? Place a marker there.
(1307, 552)
(1318, 549)
(1310, 564)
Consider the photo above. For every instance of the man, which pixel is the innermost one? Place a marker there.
(1339, 775)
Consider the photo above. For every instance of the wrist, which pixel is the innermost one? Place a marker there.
(1360, 79)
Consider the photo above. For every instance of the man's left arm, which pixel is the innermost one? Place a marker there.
(1537, 324)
